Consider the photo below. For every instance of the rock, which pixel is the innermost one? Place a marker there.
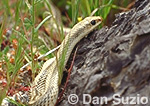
(114, 60)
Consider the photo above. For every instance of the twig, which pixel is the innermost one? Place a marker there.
(49, 52)
(67, 80)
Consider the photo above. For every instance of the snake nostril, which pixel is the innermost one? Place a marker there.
(100, 19)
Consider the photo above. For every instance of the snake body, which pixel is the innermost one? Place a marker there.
(45, 87)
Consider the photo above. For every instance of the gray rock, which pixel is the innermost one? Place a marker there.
(114, 60)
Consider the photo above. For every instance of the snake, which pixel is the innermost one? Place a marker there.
(45, 87)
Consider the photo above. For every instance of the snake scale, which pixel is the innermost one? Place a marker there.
(45, 87)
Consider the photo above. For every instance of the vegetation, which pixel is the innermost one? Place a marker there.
(26, 32)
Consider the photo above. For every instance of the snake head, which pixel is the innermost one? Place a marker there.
(93, 21)
(85, 26)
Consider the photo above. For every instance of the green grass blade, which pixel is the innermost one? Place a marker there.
(75, 10)
(37, 28)
(7, 7)
(18, 4)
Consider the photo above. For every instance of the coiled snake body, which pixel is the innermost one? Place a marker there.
(45, 87)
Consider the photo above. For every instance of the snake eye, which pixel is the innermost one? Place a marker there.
(93, 22)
